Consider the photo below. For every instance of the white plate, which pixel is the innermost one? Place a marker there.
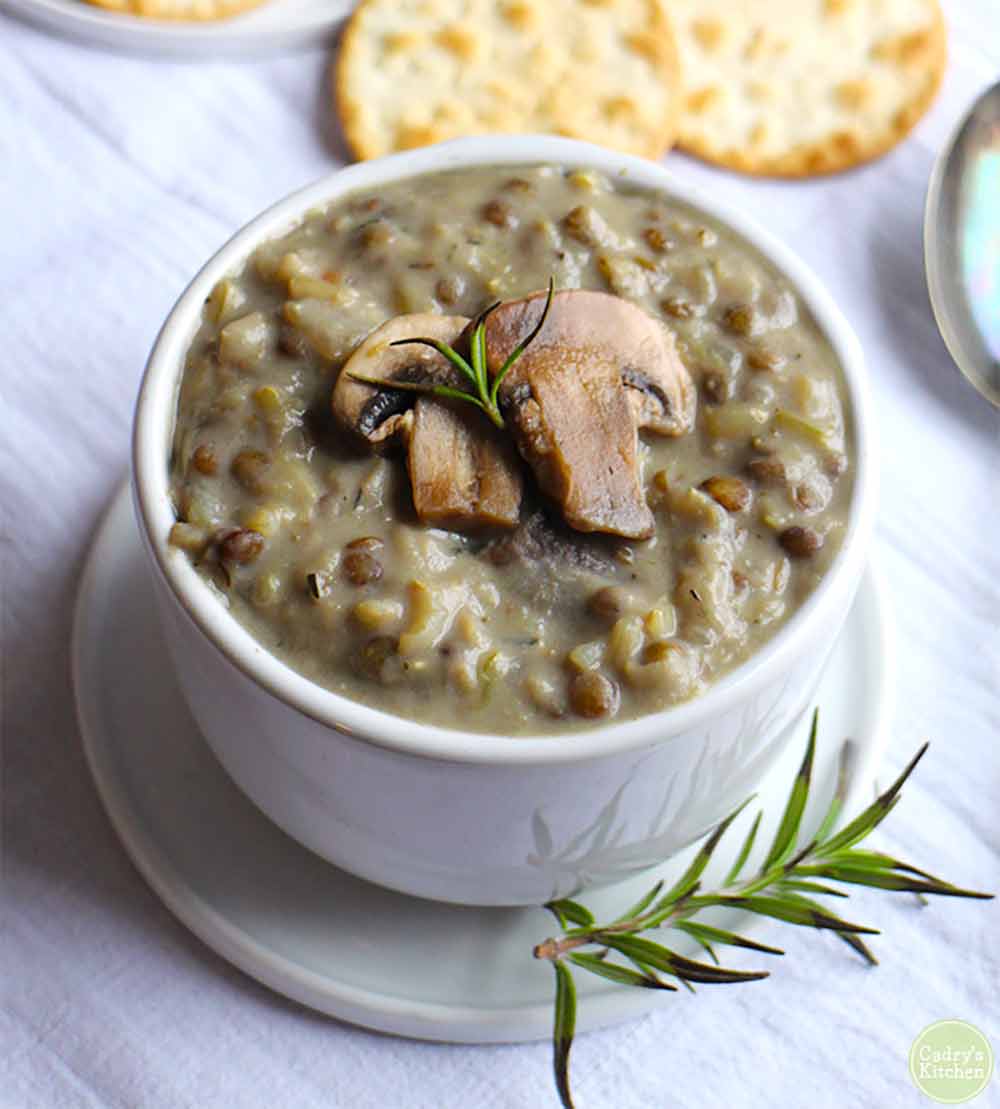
(327, 939)
(275, 25)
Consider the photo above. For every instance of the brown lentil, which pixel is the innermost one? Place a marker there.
(241, 546)
(656, 240)
(678, 309)
(365, 543)
(204, 460)
(761, 358)
(371, 661)
(500, 214)
(800, 542)
(741, 319)
(716, 388)
(378, 233)
(810, 496)
(248, 468)
(578, 223)
(361, 568)
(593, 696)
(767, 471)
(607, 603)
(835, 463)
(448, 290)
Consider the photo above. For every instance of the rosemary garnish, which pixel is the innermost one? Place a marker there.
(486, 392)
(778, 889)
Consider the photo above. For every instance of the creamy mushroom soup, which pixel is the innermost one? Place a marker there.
(584, 506)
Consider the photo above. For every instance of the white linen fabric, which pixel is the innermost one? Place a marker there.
(118, 177)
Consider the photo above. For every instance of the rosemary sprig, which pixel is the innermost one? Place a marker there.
(486, 392)
(783, 888)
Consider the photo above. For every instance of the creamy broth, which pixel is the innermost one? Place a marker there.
(313, 542)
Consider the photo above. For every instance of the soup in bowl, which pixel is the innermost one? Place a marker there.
(489, 485)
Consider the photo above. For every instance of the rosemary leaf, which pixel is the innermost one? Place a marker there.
(553, 907)
(399, 386)
(426, 387)
(572, 911)
(690, 876)
(663, 913)
(477, 349)
(873, 860)
(891, 880)
(744, 854)
(709, 950)
(647, 970)
(829, 821)
(516, 353)
(480, 320)
(443, 349)
(661, 958)
(797, 886)
(457, 394)
(624, 976)
(641, 905)
(720, 935)
(564, 1029)
(788, 829)
(859, 945)
(876, 812)
(793, 910)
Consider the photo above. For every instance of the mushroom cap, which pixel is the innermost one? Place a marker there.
(377, 416)
(660, 389)
(586, 324)
(598, 369)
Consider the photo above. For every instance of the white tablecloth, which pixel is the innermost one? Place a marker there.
(118, 177)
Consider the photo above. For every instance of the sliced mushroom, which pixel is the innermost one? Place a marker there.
(549, 564)
(599, 369)
(660, 389)
(463, 473)
(378, 415)
(541, 541)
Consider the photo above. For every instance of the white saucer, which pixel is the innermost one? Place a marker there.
(275, 25)
(335, 943)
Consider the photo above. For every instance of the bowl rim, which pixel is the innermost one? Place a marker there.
(153, 430)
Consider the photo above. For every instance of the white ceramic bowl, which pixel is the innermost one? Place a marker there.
(462, 816)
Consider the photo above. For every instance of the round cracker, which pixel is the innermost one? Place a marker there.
(194, 10)
(414, 72)
(794, 88)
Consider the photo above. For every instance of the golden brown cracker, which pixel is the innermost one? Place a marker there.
(193, 10)
(414, 72)
(800, 87)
